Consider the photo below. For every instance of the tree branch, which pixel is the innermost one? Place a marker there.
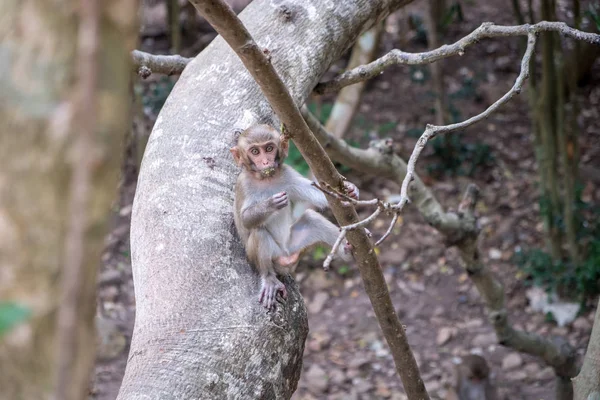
(559, 356)
(459, 230)
(227, 24)
(432, 130)
(486, 30)
(145, 64)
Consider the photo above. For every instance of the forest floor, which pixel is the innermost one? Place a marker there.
(346, 356)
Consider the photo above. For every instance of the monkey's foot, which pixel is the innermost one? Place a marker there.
(268, 292)
(351, 189)
(345, 251)
(347, 248)
(286, 261)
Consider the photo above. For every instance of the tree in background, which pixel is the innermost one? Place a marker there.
(571, 233)
(63, 114)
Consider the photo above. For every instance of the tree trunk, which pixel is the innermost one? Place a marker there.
(586, 385)
(173, 13)
(348, 99)
(436, 10)
(578, 65)
(537, 113)
(198, 325)
(58, 101)
(547, 123)
(566, 151)
(570, 146)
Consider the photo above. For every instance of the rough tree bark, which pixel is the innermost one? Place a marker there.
(198, 325)
(587, 383)
(55, 190)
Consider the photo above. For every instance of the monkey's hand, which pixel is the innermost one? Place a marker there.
(279, 200)
(351, 190)
(268, 292)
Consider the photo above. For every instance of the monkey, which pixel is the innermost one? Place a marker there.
(266, 192)
(472, 381)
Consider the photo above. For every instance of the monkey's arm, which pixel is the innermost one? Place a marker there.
(302, 190)
(312, 228)
(256, 214)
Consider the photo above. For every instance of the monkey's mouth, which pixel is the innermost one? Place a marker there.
(267, 172)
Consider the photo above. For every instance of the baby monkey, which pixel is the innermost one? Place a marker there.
(266, 192)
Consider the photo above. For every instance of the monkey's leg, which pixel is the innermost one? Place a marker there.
(262, 249)
(313, 228)
(288, 262)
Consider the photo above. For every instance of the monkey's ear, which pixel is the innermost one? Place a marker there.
(284, 148)
(235, 152)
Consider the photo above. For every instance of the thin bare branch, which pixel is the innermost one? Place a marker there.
(365, 221)
(335, 194)
(381, 207)
(146, 64)
(326, 191)
(433, 130)
(344, 230)
(460, 229)
(390, 229)
(334, 250)
(231, 29)
(486, 30)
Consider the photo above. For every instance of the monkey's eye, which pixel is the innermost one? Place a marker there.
(254, 151)
(269, 148)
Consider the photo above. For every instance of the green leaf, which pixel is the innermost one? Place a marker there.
(12, 314)
(343, 270)
(319, 253)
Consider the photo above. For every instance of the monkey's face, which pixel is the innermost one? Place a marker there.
(263, 157)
